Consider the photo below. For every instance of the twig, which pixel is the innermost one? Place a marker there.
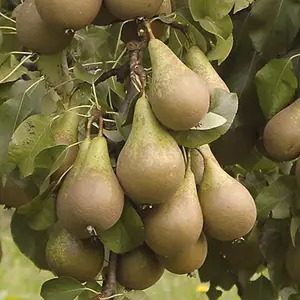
(120, 72)
(110, 281)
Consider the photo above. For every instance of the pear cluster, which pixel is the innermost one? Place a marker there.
(47, 27)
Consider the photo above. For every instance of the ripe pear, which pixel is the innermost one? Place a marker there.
(150, 166)
(228, 208)
(68, 14)
(197, 165)
(179, 97)
(70, 256)
(188, 259)
(65, 132)
(36, 35)
(104, 17)
(12, 194)
(125, 10)
(138, 269)
(281, 134)
(93, 197)
(198, 62)
(176, 223)
(159, 29)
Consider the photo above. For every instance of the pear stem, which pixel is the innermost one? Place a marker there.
(189, 160)
(109, 284)
(101, 127)
(149, 29)
(89, 126)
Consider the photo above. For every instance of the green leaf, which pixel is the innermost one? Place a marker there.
(30, 138)
(63, 288)
(274, 242)
(295, 224)
(220, 28)
(275, 24)
(215, 9)
(210, 121)
(88, 295)
(40, 212)
(222, 103)
(294, 297)
(260, 289)
(280, 194)
(221, 50)
(30, 242)
(24, 101)
(126, 234)
(8, 63)
(55, 70)
(241, 4)
(276, 85)
(81, 73)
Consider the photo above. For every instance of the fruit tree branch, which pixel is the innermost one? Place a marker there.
(110, 281)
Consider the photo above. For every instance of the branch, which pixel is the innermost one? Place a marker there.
(110, 282)
(121, 73)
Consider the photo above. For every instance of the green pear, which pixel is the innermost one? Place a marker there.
(150, 166)
(125, 10)
(65, 131)
(91, 195)
(281, 134)
(138, 269)
(179, 97)
(198, 62)
(12, 194)
(197, 165)
(69, 256)
(189, 259)
(228, 208)
(174, 224)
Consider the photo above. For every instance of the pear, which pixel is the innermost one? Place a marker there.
(125, 10)
(150, 166)
(172, 225)
(281, 134)
(138, 269)
(228, 208)
(159, 29)
(65, 132)
(35, 34)
(104, 17)
(188, 259)
(91, 194)
(69, 256)
(198, 62)
(179, 97)
(12, 194)
(68, 14)
(197, 165)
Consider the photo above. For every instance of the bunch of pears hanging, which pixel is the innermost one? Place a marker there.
(47, 27)
(183, 195)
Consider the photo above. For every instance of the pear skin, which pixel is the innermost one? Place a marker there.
(188, 259)
(197, 165)
(94, 197)
(125, 10)
(281, 134)
(198, 62)
(174, 224)
(179, 97)
(65, 131)
(139, 269)
(150, 166)
(229, 210)
(12, 195)
(69, 256)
